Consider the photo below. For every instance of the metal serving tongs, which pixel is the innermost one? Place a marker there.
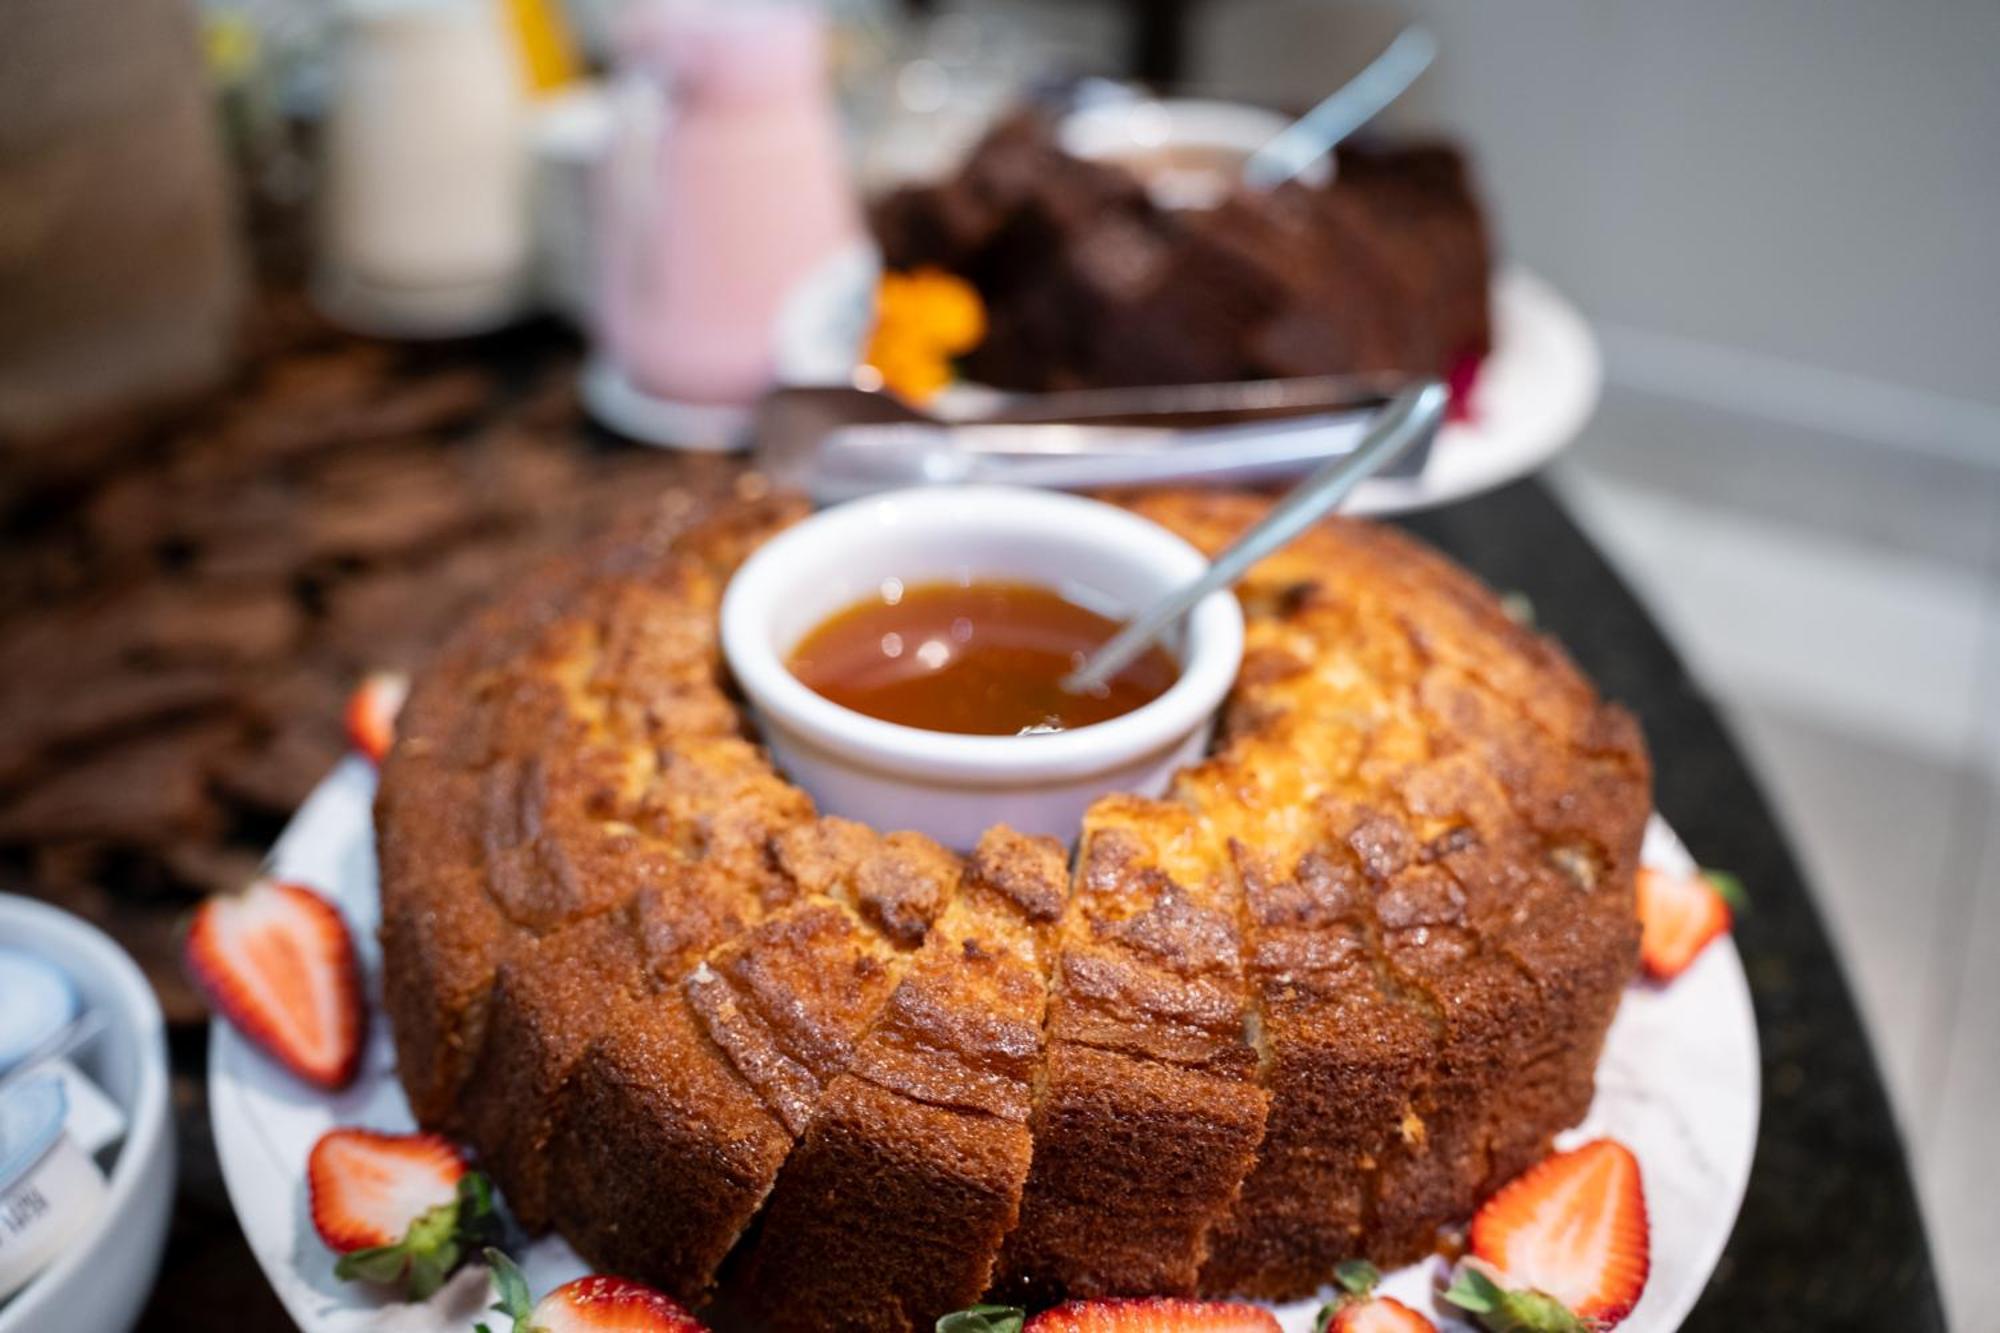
(839, 443)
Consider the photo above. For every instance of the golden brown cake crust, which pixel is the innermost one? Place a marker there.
(1437, 823)
(1349, 974)
(894, 1204)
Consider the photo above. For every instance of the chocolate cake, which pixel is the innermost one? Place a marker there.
(1088, 283)
(1348, 975)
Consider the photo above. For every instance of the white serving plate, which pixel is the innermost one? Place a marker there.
(1534, 394)
(1677, 1084)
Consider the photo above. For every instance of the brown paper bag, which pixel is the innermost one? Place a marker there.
(120, 268)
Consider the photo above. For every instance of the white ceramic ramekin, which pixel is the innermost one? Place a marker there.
(949, 786)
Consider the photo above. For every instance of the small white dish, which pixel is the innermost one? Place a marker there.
(102, 1279)
(1677, 1083)
(1535, 391)
(953, 787)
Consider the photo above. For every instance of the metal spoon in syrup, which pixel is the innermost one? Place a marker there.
(1412, 415)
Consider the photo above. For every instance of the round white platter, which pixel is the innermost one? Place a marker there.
(1533, 395)
(1678, 1084)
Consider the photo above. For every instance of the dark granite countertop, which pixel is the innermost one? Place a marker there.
(1829, 1235)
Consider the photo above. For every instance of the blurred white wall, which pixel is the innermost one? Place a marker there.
(1790, 207)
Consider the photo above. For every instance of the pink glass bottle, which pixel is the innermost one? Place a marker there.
(726, 185)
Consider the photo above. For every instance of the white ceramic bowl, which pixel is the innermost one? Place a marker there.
(101, 1281)
(949, 786)
(1132, 131)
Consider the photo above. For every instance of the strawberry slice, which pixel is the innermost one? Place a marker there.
(277, 962)
(1360, 1310)
(1154, 1314)
(1380, 1314)
(1678, 916)
(400, 1209)
(372, 709)
(1146, 1314)
(588, 1305)
(1570, 1232)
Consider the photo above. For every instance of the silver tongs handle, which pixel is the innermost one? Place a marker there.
(859, 460)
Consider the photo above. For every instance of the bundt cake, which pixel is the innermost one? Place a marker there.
(1350, 974)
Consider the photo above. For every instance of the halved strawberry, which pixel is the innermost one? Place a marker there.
(1379, 1314)
(1572, 1230)
(1678, 916)
(276, 960)
(398, 1208)
(588, 1305)
(1154, 1314)
(372, 709)
(1144, 1314)
(1360, 1310)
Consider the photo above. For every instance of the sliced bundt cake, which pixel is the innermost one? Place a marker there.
(1351, 972)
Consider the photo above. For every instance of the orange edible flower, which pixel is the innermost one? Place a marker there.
(923, 319)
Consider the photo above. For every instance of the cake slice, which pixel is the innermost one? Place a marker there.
(501, 809)
(1507, 903)
(442, 937)
(892, 1209)
(1519, 930)
(1341, 1053)
(567, 864)
(1434, 818)
(1150, 1112)
(554, 992)
(786, 1000)
(1341, 1047)
(1423, 205)
(667, 1153)
(685, 1108)
(664, 1148)
(549, 1000)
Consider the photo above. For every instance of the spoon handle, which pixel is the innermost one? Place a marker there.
(1409, 417)
(1352, 105)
